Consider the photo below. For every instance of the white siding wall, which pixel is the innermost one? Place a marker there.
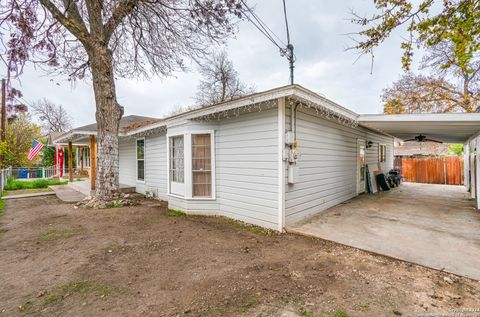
(127, 161)
(156, 165)
(328, 164)
(246, 153)
(247, 167)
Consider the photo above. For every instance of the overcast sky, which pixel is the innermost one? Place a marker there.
(323, 65)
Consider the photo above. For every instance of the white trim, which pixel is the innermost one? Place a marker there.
(144, 161)
(360, 142)
(379, 152)
(415, 117)
(281, 164)
(272, 94)
(168, 136)
(187, 163)
(477, 176)
(212, 162)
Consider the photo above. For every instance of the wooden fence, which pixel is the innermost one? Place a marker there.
(431, 170)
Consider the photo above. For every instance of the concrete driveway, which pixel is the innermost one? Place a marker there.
(431, 225)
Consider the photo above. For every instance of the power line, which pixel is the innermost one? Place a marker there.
(286, 21)
(262, 26)
(286, 50)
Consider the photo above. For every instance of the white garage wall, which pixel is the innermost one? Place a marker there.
(328, 164)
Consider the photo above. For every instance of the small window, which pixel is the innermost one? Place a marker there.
(176, 159)
(382, 153)
(201, 165)
(141, 160)
(86, 157)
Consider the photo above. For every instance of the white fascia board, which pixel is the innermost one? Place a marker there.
(420, 117)
(292, 90)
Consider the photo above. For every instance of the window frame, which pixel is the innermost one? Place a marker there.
(382, 155)
(188, 165)
(137, 159)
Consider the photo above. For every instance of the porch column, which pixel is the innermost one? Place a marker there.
(82, 150)
(70, 162)
(93, 163)
(477, 171)
(466, 166)
(471, 158)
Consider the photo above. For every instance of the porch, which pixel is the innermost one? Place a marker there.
(84, 187)
(436, 226)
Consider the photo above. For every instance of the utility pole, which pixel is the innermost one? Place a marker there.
(3, 126)
(291, 60)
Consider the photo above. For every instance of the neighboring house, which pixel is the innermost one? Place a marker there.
(271, 159)
(419, 149)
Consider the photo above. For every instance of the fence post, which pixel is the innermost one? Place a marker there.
(1, 183)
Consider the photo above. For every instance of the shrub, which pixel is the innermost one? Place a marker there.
(39, 183)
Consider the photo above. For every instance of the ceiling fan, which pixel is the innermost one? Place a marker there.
(422, 138)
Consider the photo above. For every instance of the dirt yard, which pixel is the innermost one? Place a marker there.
(57, 260)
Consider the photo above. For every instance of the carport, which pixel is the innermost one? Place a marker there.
(446, 127)
(436, 226)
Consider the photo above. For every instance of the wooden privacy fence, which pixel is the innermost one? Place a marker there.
(431, 170)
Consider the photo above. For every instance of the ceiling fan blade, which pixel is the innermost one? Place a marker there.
(435, 141)
(409, 140)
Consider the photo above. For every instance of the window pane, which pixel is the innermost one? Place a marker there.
(141, 170)
(176, 159)
(201, 165)
(140, 149)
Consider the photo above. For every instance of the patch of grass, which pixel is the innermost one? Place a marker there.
(82, 287)
(27, 191)
(39, 183)
(177, 213)
(340, 313)
(2, 208)
(52, 298)
(250, 302)
(304, 312)
(248, 227)
(363, 307)
(62, 234)
(86, 287)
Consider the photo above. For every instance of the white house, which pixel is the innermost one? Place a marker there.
(271, 159)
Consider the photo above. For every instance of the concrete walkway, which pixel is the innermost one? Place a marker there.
(28, 195)
(432, 225)
(67, 194)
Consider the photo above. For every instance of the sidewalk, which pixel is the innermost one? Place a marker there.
(67, 194)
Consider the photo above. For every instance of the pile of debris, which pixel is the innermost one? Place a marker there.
(118, 200)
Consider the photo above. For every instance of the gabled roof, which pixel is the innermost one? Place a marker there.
(127, 124)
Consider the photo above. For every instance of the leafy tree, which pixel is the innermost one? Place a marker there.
(456, 149)
(419, 94)
(220, 81)
(429, 23)
(105, 39)
(20, 134)
(54, 118)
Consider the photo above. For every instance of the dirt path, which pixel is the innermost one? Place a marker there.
(56, 260)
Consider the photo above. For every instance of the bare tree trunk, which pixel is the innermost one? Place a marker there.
(108, 114)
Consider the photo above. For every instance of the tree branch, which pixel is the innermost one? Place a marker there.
(69, 23)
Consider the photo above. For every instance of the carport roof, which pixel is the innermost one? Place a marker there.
(445, 127)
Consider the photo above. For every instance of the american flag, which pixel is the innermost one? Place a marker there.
(36, 148)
